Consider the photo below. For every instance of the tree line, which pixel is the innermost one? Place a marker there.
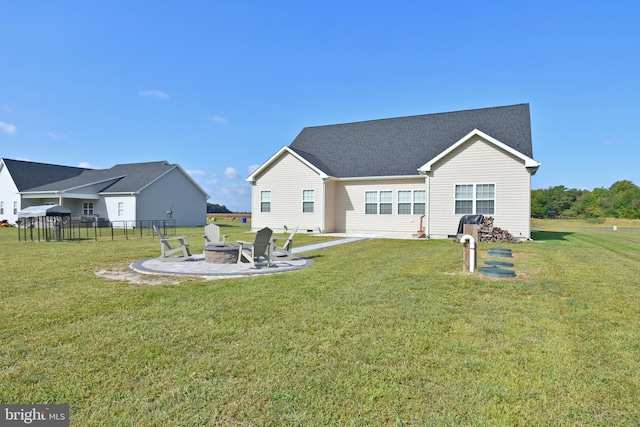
(621, 200)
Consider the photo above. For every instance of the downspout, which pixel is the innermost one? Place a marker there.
(428, 210)
(428, 207)
(324, 205)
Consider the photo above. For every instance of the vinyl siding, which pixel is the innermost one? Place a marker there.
(480, 162)
(173, 191)
(350, 214)
(9, 195)
(128, 212)
(286, 178)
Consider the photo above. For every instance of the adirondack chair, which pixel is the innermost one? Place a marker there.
(283, 252)
(212, 236)
(168, 253)
(258, 252)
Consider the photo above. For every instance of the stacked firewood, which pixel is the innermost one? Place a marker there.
(488, 233)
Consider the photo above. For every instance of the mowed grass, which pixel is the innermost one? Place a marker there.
(377, 333)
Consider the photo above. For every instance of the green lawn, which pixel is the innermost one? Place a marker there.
(376, 333)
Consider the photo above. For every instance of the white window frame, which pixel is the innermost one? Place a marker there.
(474, 198)
(15, 208)
(87, 208)
(413, 202)
(383, 202)
(120, 207)
(1, 208)
(308, 201)
(265, 201)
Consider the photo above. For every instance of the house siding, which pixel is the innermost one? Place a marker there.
(350, 214)
(8, 195)
(480, 162)
(128, 216)
(286, 178)
(176, 193)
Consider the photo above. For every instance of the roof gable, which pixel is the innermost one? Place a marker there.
(278, 155)
(528, 161)
(400, 146)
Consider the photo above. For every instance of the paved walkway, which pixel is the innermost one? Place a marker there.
(197, 266)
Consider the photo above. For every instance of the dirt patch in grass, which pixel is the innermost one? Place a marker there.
(128, 275)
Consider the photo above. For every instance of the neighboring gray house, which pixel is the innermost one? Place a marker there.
(122, 194)
(390, 175)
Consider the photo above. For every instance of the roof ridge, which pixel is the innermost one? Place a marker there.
(419, 115)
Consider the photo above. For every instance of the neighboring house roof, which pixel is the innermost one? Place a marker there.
(27, 175)
(121, 178)
(400, 146)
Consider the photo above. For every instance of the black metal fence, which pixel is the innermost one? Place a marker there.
(65, 228)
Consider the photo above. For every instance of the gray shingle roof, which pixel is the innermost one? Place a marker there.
(122, 178)
(31, 174)
(399, 146)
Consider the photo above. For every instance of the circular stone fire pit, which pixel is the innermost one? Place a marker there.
(221, 254)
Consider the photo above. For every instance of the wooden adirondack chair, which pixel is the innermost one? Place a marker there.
(212, 236)
(168, 253)
(283, 252)
(258, 252)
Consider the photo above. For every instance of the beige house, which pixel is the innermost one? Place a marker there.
(402, 175)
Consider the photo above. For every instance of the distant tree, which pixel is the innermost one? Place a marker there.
(621, 200)
(214, 208)
(554, 202)
(625, 199)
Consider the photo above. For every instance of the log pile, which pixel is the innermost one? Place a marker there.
(488, 233)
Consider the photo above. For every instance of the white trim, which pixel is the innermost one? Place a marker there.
(529, 163)
(270, 201)
(374, 178)
(59, 194)
(474, 199)
(252, 178)
(303, 201)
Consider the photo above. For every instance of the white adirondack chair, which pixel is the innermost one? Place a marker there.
(169, 253)
(258, 252)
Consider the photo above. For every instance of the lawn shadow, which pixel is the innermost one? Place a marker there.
(549, 235)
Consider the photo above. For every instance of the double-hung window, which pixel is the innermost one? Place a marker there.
(308, 201)
(120, 208)
(378, 202)
(411, 202)
(265, 201)
(473, 199)
(1, 208)
(371, 202)
(15, 208)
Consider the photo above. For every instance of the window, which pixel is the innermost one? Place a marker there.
(15, 208)
(411, 202)
(419, 201)
(464, 199)
(378, 202)
(120, 208)
(1, 208)
(308, 200)
(371, 202)
(485, 199)
(265, 201)
(475, 199)
(87, 208)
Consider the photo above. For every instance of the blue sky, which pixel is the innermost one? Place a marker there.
(220, 86)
